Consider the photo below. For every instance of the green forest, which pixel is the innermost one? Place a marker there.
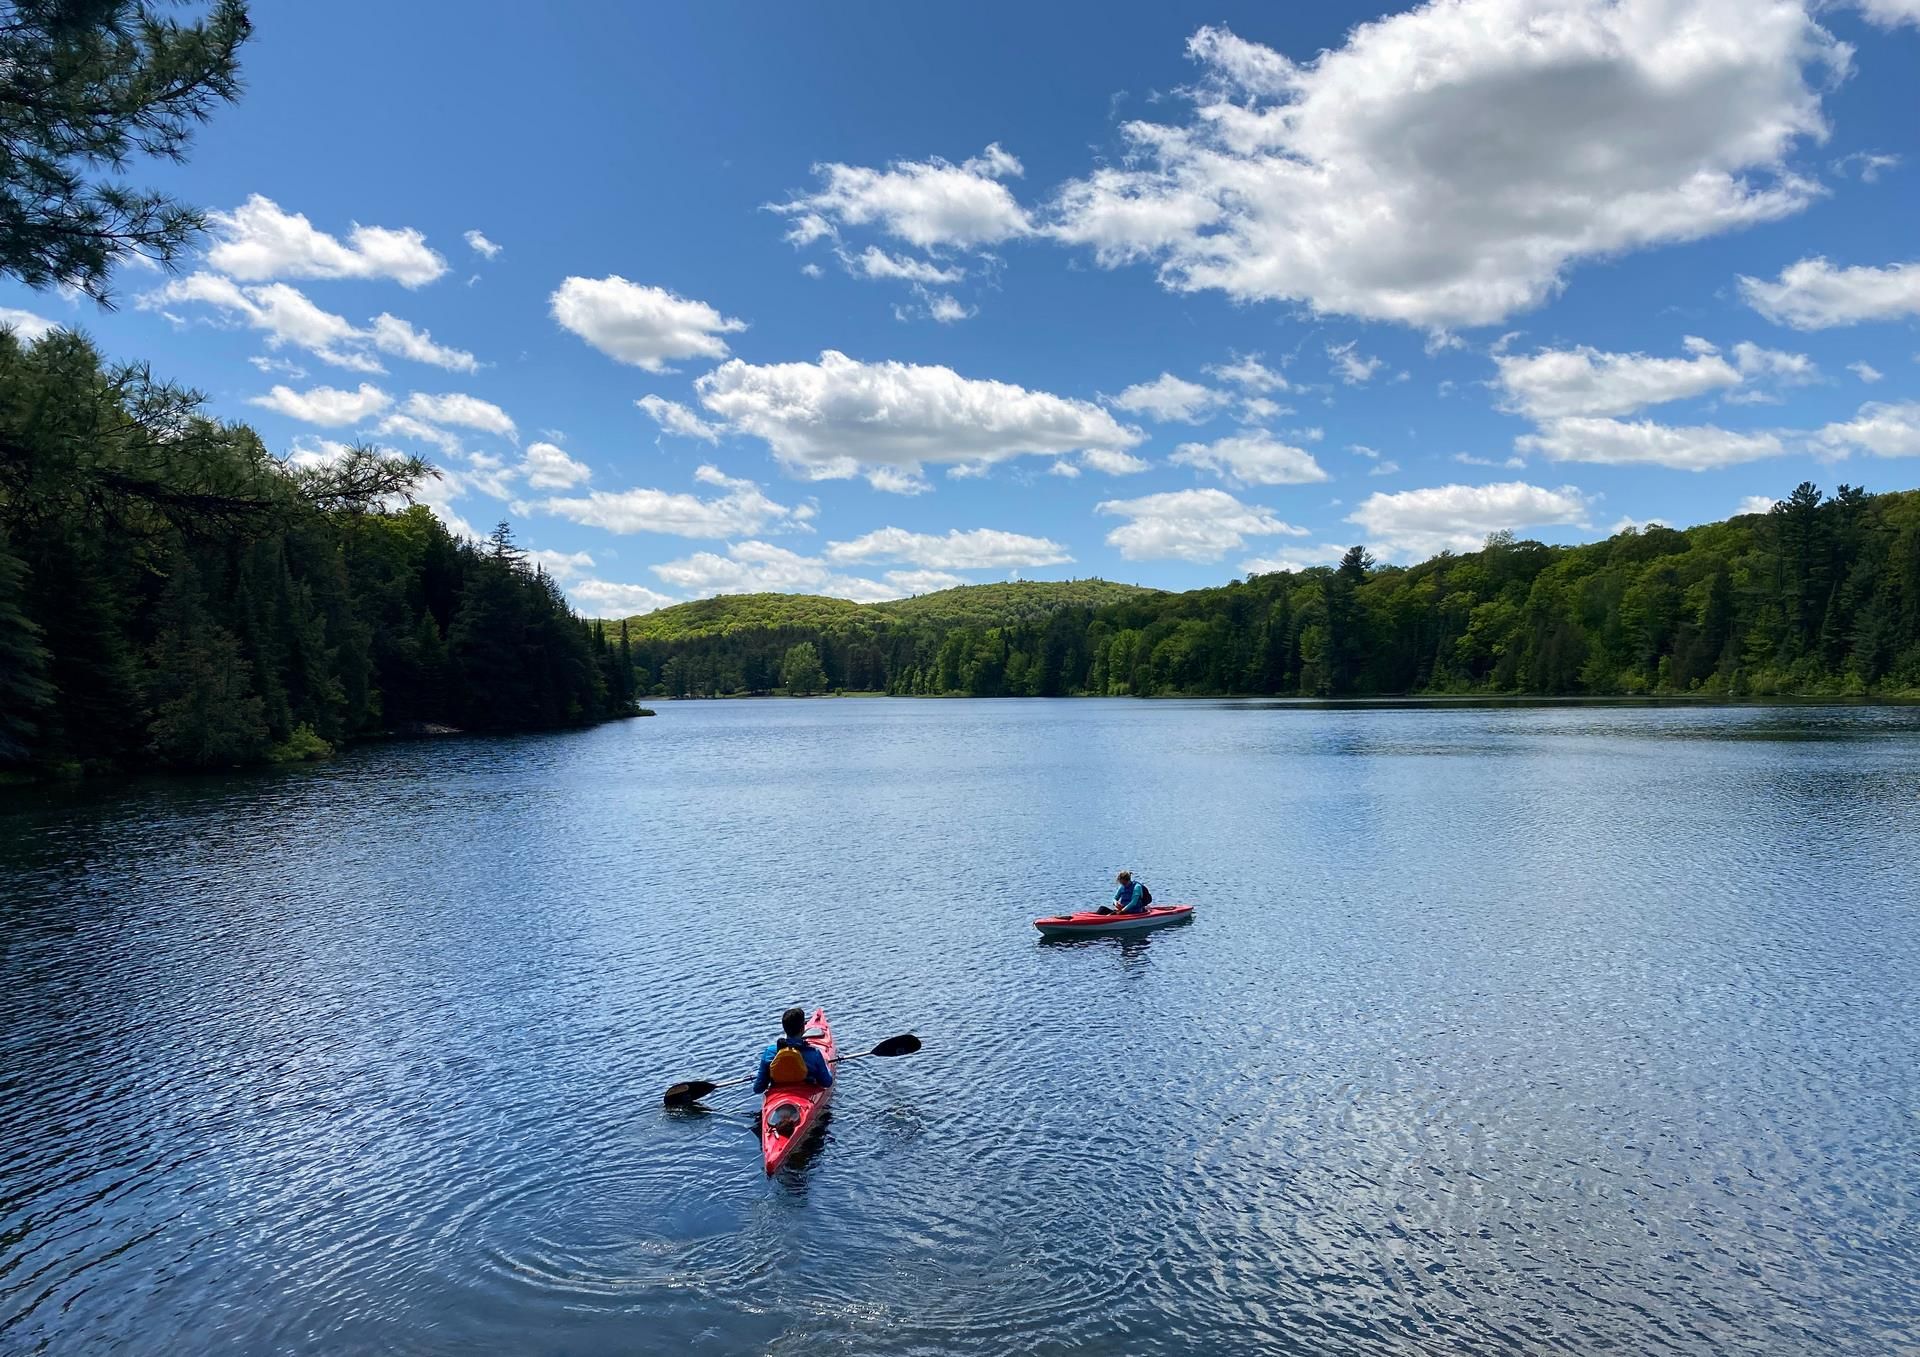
(1819, 596)
(171, 594)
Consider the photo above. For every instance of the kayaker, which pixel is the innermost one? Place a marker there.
(1129, 898)
(791, 1058)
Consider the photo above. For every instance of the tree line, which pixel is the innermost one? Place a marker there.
(171, 594)
(1821, 595)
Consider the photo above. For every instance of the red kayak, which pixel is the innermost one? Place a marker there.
(1092, 924)
(792, 1112)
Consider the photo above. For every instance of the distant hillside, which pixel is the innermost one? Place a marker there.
(972, 605)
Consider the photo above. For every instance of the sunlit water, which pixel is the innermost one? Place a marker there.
(1559, 1029)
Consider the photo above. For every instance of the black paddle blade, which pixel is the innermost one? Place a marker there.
(904, 1044)
(690, 1092)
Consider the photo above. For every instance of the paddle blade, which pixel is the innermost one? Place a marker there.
(690, 1092)
(904, 1044)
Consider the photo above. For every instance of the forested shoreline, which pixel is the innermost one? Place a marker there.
(172, 595)
(1820, 596)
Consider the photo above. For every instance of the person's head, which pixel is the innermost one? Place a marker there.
(794, 1021)
(1125, 878)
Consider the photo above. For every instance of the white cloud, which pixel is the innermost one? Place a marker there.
(839, 417)
(675, 418)
(1449, 164)
(1866, 372)
(280, 365)
(1112, 463)
(1789, 369)
(406, 426)
(547, 467)
(896, 481)
(258, 241)
(1293, 562)
(1891, 13)
(1612, 442)
(641, 325)
(946, 310)
(1636, 524)
(926, 203)
(1866, 164)
(1814, 295)
(874, 262)
(1251, 457)
(604, 598)
(742, 509)
(1557, 383)
(977, 549)
(480, 245)
(288, 316)
(26, 326)
(1064, 468)
(562, 565)
(326, 405)
(1168, 398)
(1883, 429)
(390, 334)
(1419, 523)
(469, 412)
(1353, 367)
(1697, 346)
(1256, 409)
(1385, 469)
(1509, 463)
(1188, 525)
(813, 270)
(760, 567)
(1247, 373)
(1755, 504)
(910, 582)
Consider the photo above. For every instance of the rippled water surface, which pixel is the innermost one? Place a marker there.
(1497, 1031)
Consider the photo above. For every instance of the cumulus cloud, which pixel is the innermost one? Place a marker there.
(1113, 463)
(839, 417)
(1881, 428)
(945, 310)
(288, 316)
(1558, 383)
(562, 565)
(1353, 367)
(25, 325)
(1612, 442)
(928, 203)
(874, 262)
(1419, 523)
(1814, 295)
(1891, 13)
(1866, 372)
(1509, 463)
(1170, 399)
(258, 241)
(1755, 504)
(1292, 562)
(755, 567)
(468, 412)
(1788, 369)
(675, 418)
(1251, 457)
(480, 245)
(977, 549)
(325, 405)
(742, 508)
(1247, 373)
(642, 325)
(390, 334)
(605, 598)
(1449, 164)
(1188, 525)
(547, 467)
(406, 426)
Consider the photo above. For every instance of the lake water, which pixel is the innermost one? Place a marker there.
(1556, 1029)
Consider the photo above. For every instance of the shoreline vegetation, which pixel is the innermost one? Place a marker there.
(1817, 598)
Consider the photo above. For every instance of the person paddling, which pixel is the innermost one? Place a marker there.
(1131, 898)
(791, 1058)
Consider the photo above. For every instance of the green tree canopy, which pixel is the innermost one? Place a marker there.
(800, 671)
(85, 86)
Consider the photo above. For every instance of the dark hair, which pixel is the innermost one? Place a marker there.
(794, 1021)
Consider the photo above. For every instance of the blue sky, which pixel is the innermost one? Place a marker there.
(879, 299)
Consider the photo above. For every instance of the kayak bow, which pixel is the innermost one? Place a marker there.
(1090, 923)
(792, 1112)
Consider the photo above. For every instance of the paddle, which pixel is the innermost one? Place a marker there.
(693, 1090)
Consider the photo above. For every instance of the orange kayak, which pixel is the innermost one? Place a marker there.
(792, 1112)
